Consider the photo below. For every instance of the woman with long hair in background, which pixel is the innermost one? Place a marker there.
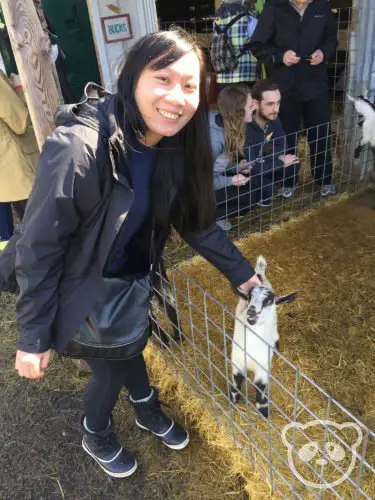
(234, 187)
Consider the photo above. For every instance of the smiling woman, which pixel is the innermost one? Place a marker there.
(167, 98)
(117, 172)
(161, 90)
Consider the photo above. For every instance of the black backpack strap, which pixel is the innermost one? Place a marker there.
(223, 29)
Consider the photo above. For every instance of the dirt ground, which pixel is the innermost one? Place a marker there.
(40, 453)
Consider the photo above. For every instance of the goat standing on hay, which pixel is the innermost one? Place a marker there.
(366, 110)
(253, 345)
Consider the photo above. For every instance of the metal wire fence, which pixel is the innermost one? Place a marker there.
(324, 166)
(275, 193)
(309, 445)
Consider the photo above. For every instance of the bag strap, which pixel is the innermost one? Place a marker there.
(223, 29)
(246, 46)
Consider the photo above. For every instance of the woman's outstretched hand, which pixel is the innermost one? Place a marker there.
(32, 365)
(249, 284)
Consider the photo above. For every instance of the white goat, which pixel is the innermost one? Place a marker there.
(255, 337)
(366, 110)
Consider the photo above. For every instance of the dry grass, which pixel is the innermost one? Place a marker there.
(329, 255)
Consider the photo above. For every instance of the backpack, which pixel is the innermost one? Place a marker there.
(223, 54)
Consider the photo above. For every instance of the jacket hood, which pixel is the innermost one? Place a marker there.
(96, 110)
(215, 120)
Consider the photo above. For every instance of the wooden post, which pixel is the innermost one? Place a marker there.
(30, 46)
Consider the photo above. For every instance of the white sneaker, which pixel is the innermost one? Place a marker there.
(224, 224)
(328, 189)
(285, 192)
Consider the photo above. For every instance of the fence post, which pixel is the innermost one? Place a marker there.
(31, 47)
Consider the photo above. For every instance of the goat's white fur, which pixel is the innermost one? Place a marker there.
(255, 340)
(368, 128)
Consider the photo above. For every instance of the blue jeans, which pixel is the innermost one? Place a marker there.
(6, 221)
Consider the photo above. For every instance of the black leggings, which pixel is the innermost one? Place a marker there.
(103, 389)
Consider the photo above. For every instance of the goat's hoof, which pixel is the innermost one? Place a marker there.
(177, 335)
(235, 396)
(263, 411)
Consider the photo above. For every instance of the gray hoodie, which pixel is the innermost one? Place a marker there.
(221, 161)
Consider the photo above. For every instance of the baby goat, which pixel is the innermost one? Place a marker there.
(254, 331)
(366, 110)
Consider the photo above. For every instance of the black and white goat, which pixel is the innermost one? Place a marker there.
(366, 110)
(255, 337)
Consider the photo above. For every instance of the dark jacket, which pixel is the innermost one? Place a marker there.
(264, 146)
(78, 203)
(280, 28)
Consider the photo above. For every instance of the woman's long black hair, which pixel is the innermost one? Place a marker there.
(193, 206)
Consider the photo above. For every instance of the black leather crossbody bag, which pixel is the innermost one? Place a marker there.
(118, 327)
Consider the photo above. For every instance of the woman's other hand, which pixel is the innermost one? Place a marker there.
(32, 365)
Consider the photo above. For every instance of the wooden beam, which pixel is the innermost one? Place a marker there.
(31, 47)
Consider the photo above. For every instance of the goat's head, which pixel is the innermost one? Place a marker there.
(362, 105)
(259, 299)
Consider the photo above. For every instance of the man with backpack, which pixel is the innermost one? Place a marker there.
(230, 55)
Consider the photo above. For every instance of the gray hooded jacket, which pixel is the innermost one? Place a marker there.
(222, 163)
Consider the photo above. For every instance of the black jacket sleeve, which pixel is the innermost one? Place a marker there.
(51, 217)
(215, 246)
(329, 44)
(261, 42)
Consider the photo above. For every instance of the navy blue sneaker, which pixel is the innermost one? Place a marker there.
(104, 448)
(150, 417)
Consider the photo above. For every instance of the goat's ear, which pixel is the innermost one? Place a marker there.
(284, 299)
(237, 290)
(351, 99)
